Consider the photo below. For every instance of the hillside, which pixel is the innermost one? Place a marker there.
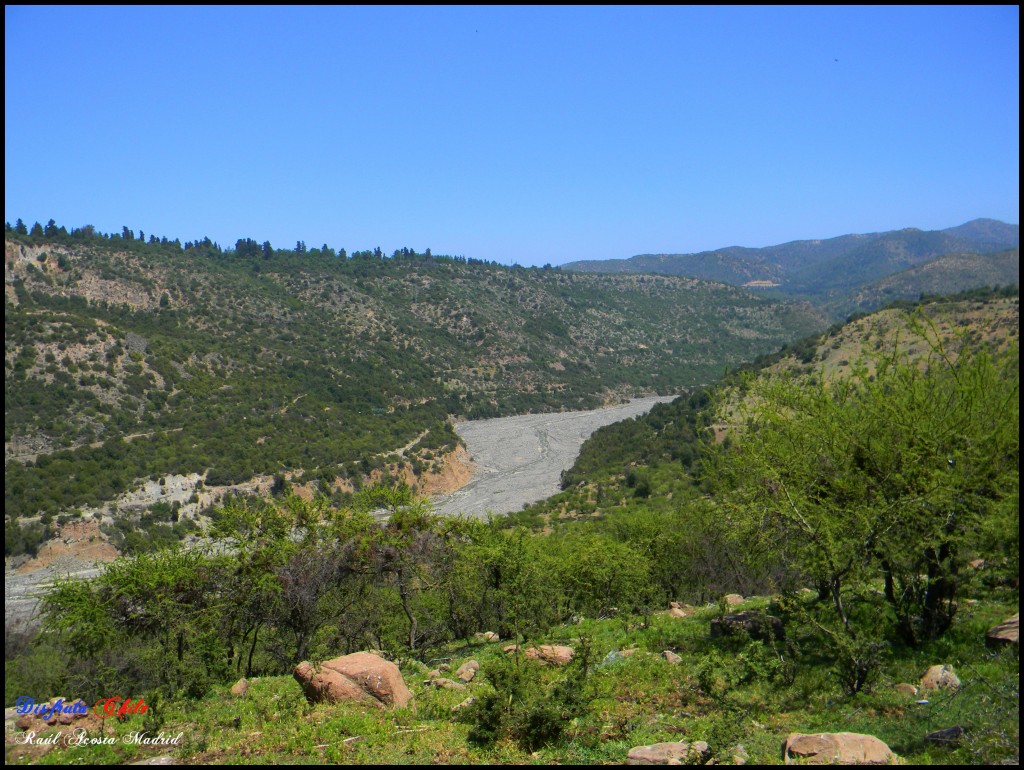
(127, 360)
(840, 273)
(650, 460)
(833, 555)
(946, 275)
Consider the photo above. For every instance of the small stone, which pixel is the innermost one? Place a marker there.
(447, 684)
(240, 688)
(733, 599)
(671, 657)
(740, 755)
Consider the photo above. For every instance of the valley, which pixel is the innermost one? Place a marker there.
(519, 460)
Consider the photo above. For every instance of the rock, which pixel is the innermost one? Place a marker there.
(1007, 632)
(360, 677)
(976, 564)
(906, 689)
(940, 678)
(951, 737)
(487, 637)
(465, 704)
(510, 648)
(733, 599)
(671, 657)
(757, 624)
(239, 688)
(629, 652)
(446, 684)
(674, 753)
(836, 749)
(740, 755)
(556, 655)
(25, 722)
(434, 673)
(467, 671)
(677, 610)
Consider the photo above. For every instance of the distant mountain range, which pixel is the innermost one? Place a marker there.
(849, 271)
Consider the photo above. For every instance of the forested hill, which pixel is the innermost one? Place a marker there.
(128, 359)
(843, 274)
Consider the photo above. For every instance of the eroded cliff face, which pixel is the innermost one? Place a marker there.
(65, 274)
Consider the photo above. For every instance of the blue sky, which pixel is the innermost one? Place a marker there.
(516, 134)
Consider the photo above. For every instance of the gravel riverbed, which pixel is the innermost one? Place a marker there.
(519, 460)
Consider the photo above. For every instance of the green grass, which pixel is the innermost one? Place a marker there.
(727, 692)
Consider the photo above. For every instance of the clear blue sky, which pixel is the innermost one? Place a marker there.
(515, 134)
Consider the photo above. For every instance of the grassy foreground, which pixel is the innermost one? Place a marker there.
(742, 697)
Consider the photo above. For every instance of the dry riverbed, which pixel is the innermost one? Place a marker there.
(519, 460)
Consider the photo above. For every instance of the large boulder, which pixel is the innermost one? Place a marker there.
(361, 677)
(758, 625)
(836, 749)
(940, 678)
(1006, 633)
(673, 753)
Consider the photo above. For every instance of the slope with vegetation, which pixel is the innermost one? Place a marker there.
(128, 359)
(870, 509)
(860, 272)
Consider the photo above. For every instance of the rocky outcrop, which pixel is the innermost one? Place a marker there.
(836, 749)
(360, 677)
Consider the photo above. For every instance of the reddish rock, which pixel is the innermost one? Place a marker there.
(360, 677)
(836, 749)
(446, 684)
(673, 753)
(467, 671)
(940, 678)
(240, 688)
(906, 689)
(556, 655)
(677, 610)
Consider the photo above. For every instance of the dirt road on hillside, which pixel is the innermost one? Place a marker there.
(519, 460)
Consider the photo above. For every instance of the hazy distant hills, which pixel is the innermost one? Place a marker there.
(840, 271)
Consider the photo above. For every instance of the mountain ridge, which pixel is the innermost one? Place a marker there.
(825, 271)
